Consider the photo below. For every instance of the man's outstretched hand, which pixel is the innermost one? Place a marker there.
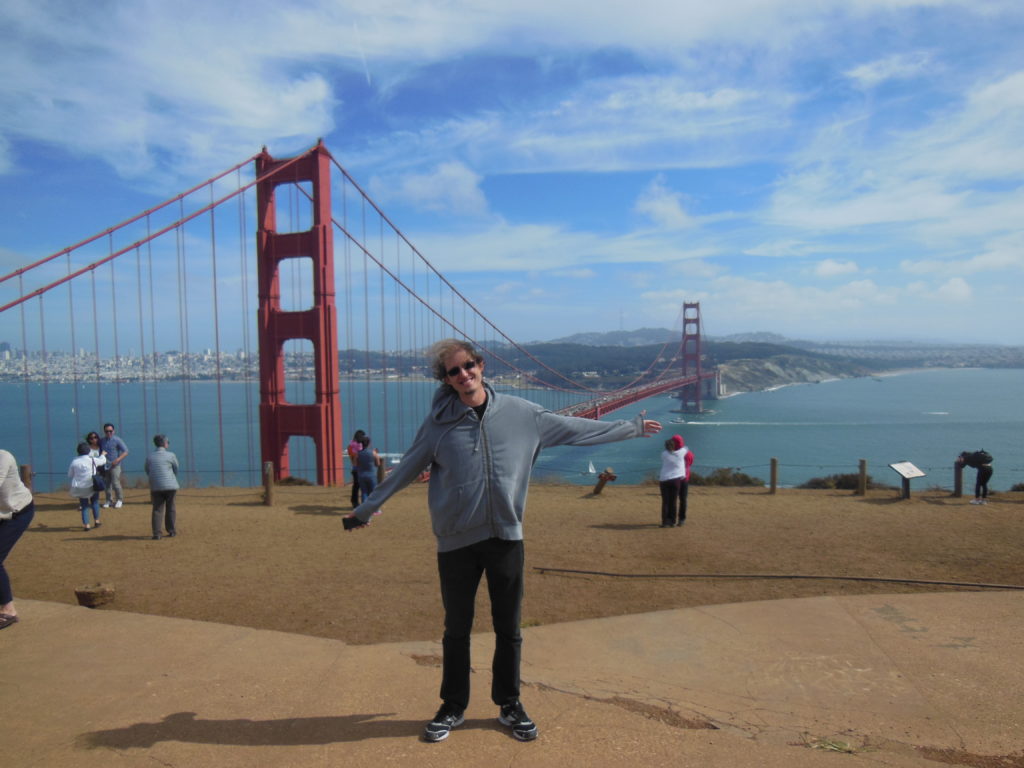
(651, 427)
(352, 523)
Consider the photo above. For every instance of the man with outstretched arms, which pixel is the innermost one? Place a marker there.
(480, 446)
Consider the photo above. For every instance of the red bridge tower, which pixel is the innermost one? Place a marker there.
(690, 395)
(279, 419)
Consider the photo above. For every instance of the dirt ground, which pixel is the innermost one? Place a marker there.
(291, 567)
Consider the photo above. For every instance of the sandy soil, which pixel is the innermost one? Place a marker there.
(290, 566)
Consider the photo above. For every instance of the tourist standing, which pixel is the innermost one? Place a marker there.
(116, 452)
(82, 474)
(353, 449)
(480, 446)
(981, 461)
(674, 481)
(367, 463)
(162, 470)
(97, 454)
(16, 512)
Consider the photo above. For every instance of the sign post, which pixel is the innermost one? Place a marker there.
(906, 471)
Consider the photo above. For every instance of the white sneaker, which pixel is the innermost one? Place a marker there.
(119, 504)
(977, 501)
(106, 504)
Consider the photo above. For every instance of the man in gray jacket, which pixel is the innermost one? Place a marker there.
(162, 469)
(480, 447)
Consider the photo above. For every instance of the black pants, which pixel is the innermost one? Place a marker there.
(355, 488)
(981, 482)
(164, 511)
(460, 572)
(673, 500)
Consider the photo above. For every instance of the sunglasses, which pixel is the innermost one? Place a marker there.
(108, 430)
(469, 365)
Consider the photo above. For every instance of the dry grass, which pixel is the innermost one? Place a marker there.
(291, 567)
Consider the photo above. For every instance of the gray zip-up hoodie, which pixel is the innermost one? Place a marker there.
(480, 469)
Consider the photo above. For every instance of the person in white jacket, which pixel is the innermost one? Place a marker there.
(674, 481)
(80, 476)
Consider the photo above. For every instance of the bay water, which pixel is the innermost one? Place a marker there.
(923, 416)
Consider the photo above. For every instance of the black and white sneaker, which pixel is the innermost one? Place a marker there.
(514, 716)
(446, 718)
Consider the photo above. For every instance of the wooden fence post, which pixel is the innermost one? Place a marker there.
(268, 483)
(862, 478)
(958, 479)
(25, 470)
(774, 475)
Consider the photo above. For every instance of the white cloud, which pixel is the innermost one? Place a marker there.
(450, 187)
(695, 268)
(955, 290)
(1001, 255)
(833, 268)
(896, 67)
(583, 273)
(663, 206)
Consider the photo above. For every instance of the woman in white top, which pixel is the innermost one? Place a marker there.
(674, 481)
(16, 512)
(80, 474)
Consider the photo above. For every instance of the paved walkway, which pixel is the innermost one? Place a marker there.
(901, 680)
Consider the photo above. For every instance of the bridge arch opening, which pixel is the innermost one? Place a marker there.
(295, 276)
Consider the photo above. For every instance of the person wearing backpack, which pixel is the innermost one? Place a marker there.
(981, 461)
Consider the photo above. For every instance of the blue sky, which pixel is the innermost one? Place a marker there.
(826, 170)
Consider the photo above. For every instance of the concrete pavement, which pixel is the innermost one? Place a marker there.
(900, 680)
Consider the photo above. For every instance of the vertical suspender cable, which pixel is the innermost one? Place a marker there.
(348, 313)
(366, 322)
(46, 388)
(74, 356)
(96, 346)
(24, 364)
(152, 331)
(243, 240)
(183, 324)
(142, 344)
(216, 334)
(117, 351)
(383, 343)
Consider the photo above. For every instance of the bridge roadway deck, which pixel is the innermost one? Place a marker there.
(595, 409)
(899, 680)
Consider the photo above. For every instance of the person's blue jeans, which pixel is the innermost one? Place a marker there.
(460, 572)
(85, 503)
(367, 482)
(10, 532)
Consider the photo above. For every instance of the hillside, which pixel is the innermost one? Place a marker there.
(753, 375)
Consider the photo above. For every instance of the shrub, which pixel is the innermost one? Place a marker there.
(727, 477)
(847, 482)
(293, 480)
(1018, 487)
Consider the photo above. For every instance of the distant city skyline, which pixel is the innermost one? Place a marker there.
(832, 169)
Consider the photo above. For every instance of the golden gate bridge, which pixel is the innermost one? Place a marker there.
(178, 277)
